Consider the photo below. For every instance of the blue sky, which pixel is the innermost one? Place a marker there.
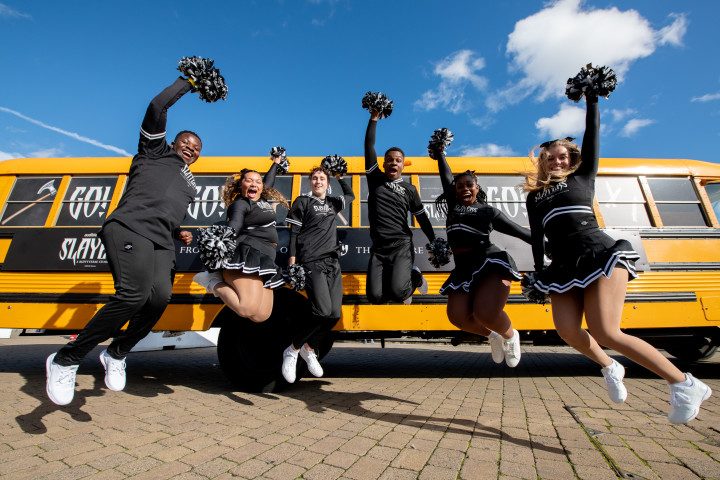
(78, 75)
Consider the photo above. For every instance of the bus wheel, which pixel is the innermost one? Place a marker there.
(696, 348)
(250, 354)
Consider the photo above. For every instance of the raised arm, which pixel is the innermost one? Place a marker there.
(371, 160)
(348, 194)
(152, 130)
(446, 177)
(590, 153)
(269, 178)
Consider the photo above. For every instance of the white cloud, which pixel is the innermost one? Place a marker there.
(551, 45)
(68, 134)
(569, 120)
(8, 155)
(618, 115)
(47, 153)
(457, 71)
(706, 98)
(487, 150)
(633, 125)
(9, 12)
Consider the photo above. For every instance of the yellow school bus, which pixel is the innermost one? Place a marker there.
(54, 275)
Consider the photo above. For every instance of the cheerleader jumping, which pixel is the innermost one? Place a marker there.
(479, 286)
(313, 244)
(246, 278)
(590, 270)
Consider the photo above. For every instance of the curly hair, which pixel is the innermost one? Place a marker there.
(322, 169)
(541, 178)
(441, 202)
(231, 189)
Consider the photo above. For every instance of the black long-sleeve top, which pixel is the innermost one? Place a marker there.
(470, 226)
(566, 207)
(390, 201)
(160, 185)
(255, 219)
(313, 231)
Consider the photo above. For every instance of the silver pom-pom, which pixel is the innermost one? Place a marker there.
(295, 277)
(377, 102)
(216, 243)
(530, 291)
(284, 165)
(439, 252)
(593, 81)
(440, 140)
(207, 80)
(335, 164)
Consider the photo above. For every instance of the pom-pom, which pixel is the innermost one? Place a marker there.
(206, 79)
(439, 252)
(335, 164)
(530, 291)
(284, 165)
(593, 81)
(216, 243)
(377, 102)
(295, 277)
(440, 140)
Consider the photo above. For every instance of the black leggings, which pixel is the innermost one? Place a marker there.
(324, 289)
(389, 276)
(143, 273)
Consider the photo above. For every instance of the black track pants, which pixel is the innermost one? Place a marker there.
(389, 276)
(324, 289)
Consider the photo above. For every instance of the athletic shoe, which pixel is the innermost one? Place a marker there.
(614, 374)
(408, 300)
(114, 371)
(60, 385)
(496, 347)
(289, 364)
(685, 400)
(512, 349)
(312, 362)
(208, 280)
(419, 281)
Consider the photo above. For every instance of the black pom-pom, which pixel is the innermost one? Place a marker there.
(379, 103)
(439, 252)
(335, 164)
(216, 243)
(295, 277)
(208, 82)
(440, 140)
(284, 165)
(530, 291)
(593, 81)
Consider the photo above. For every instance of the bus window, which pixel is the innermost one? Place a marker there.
(283, 184)
(208, 207)
(364, 220)
(430, 189)
(344, 219)
(506, 194)
(713, 191)
(622, 203)
(677, 202)
(86, 201)
(30, 201)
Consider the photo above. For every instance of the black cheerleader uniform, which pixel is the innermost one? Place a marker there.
(563, 212)
(470, 227)
(254, 224)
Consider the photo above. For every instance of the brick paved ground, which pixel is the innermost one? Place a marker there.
(404, 412)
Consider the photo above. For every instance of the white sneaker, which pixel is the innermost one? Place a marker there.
(496, 347)
(114, 371)
(407, 301)
(423, 287)
(614, 374)
(512, 349)
(60, 385)
(685, 400)
(289, 364)
(208, 280)
(312, 362)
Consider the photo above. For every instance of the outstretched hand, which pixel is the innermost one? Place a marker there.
(374, 115)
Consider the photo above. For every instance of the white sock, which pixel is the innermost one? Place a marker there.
(685, 383)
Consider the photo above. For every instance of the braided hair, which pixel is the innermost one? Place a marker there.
(231, 189)
(441, 202)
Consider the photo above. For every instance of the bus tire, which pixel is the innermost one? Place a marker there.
(693, 350)
(250, 354)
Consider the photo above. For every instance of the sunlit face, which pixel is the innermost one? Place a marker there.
(393, 165)
(558, 159)
(319, 184)
(466, 189)
(251, 186)
(188, 146)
